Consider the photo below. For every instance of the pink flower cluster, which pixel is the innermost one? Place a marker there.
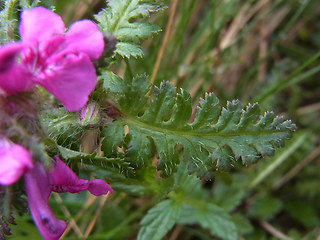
(47, 56)
(61, 63)
(16, 161)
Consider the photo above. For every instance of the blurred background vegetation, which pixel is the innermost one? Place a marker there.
(252, 50)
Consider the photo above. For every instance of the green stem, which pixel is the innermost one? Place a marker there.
(6, 201)
(128, 73)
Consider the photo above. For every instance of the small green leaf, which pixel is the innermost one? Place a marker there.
(209, 216)
(112, 82)
(125, 49)
(159, 220)
(119, 18)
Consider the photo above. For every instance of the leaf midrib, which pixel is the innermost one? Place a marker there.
(122, 17)
(181, 133)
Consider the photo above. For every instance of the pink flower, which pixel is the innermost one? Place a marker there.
(58, 61)
(39, 185)
(38, 191)
(15, 160)
(64, 180)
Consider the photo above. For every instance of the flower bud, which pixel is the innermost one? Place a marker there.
(89, 115)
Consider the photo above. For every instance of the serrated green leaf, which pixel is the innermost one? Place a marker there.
(215, 139)
(119, 19)
(192, 205)
(187, 184)
(112, 82)
(128, 49)
(211, 217)
(119, 164)
(159, 220)
(135, 92)
(114, 137)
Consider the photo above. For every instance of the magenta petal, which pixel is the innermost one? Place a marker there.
(70, 78)
(14, 78)
(49, 48)
(39, 24)
(99, 187)
(38, 190)
(65, 180)
(15, 160)
(84, 36)
(8, 55)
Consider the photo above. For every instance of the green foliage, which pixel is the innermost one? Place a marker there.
(242, 223)
(119, 18)
(216, 138)
(265, 207)
(11, 204)
(211, 217)
(188, 204)
(303, 213)
(230, 195)
(159, 220)
(8, 21)
(92, 159)
(112, 82)
(25, 4)
(63, 127)
(247, 50)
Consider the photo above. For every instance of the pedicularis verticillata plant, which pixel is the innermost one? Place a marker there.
(143, 129)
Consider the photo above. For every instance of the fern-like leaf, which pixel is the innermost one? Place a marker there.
(216, 138)
(118, 19)
(92, 159)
